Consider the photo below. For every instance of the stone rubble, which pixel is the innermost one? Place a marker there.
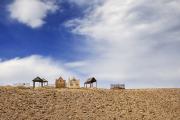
(89, 104)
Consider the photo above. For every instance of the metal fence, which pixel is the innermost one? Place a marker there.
(117, 86)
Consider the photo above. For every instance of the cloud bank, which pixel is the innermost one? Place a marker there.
(135, 42)
(23, 70)
(31, 12)
(132, 42)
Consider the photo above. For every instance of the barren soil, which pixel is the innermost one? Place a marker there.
(89, 104)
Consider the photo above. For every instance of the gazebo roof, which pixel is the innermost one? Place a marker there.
(38, 79)
(44, 80)
(90, 80)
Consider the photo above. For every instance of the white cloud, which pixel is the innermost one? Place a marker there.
(31, 12)
(75, 64)
(135, 42)
(23, 70)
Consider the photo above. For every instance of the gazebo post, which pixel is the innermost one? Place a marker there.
(42, 84)
(33, 84)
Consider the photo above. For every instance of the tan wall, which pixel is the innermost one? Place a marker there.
(73, 84)
(60, 83)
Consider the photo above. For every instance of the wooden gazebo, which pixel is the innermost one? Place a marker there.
(39, 80)
(90, 81)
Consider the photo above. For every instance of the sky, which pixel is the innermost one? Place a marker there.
(131, 42)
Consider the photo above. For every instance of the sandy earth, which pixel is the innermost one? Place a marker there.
(89, 104)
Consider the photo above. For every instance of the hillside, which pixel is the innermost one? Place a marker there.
(89, 104)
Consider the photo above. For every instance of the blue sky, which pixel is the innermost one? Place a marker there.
(131, 42)
(51, 39)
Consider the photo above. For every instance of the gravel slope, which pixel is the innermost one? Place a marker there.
(89, 104)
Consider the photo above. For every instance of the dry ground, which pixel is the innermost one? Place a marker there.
(89, 104)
